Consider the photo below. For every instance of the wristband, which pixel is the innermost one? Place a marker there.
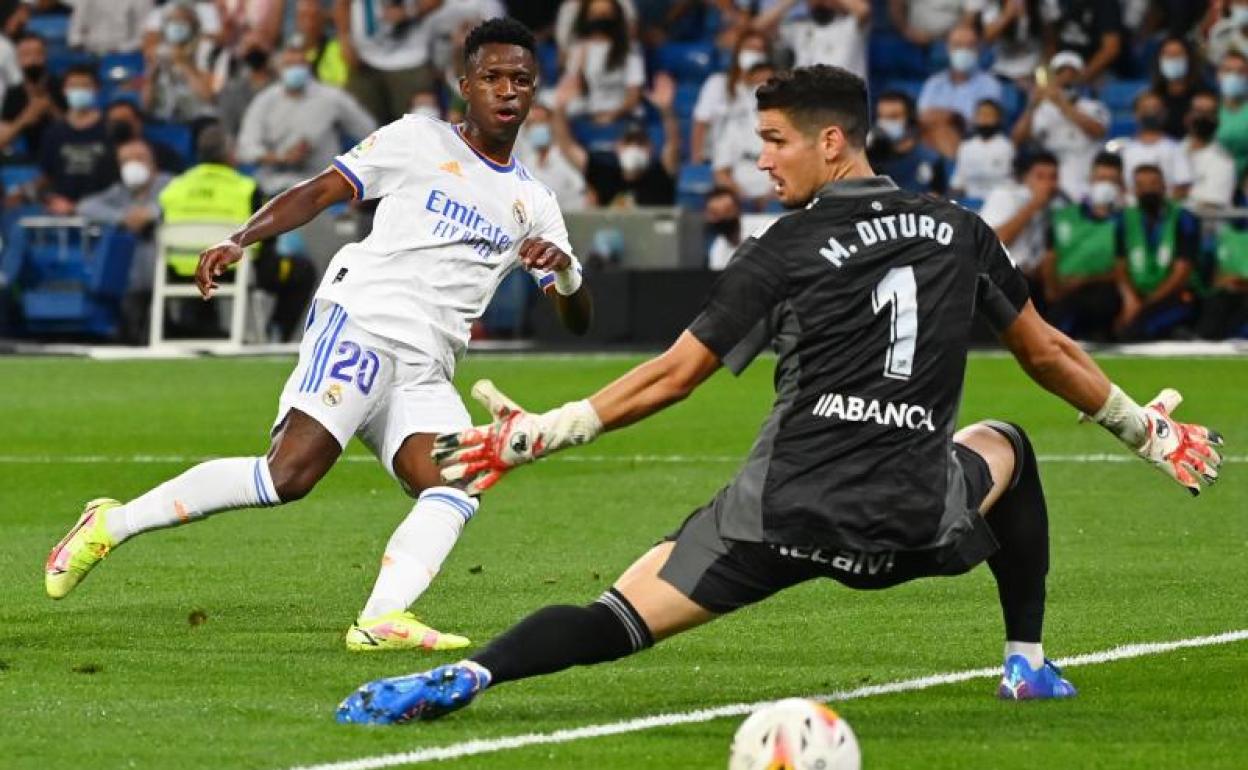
(567, 282)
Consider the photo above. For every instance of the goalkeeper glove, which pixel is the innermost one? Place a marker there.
(1182, 451)
(475, 459)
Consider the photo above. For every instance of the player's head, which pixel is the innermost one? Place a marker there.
(810, 120)
(500, 77)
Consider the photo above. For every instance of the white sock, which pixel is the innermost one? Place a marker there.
(417, 549)
(217, 485)
(1032, 651)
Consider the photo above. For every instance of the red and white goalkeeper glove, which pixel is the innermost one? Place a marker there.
(475, 459)
(1184, 452)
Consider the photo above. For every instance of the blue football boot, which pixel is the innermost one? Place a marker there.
(427, 695)
(1021, 682)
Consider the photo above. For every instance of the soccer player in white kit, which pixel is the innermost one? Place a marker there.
(391, 317)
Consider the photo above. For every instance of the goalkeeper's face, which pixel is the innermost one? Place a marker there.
(793, 159)
(498, 85)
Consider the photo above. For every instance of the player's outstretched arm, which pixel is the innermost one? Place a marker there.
(1182, 451)
(293, 208)
(477, 458)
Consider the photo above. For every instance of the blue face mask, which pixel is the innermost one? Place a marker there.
(177, 32)
(540, 135)
(1233, 85)
(963, 60)
(80, 98)
(1173, 67)
(296, 77)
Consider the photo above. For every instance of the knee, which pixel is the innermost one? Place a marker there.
(293, 480)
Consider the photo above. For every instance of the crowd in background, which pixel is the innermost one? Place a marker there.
(1105, 141)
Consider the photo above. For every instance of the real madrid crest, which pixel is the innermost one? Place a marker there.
(333, 395)
(517, 211)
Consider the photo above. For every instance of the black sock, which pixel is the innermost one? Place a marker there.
(562, 636)
(1020, 522)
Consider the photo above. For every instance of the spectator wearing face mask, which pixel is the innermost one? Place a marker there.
(1228, 33)
(570, 11)
(723, 227)
(1158, 244)
(1152, 147)
(1080, 278)
(632, 174)
(133, 202)
(948, 99)
(1233, 115)
(107, 26)
(293, 128)
(184, 71)
(324, 52)
(986, 157)
(1213, 168)
(125, 124)
(603, 65)
(255, 75)
(735, 157)
(834, 32)
(1066, 122)
(895, 151)
(1177, 76)
(728, 97)
(1014, 29)
(76, 157)
(545, 150)
(31, 107)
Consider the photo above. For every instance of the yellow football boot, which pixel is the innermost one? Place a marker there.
(399, 630)
(85, 545)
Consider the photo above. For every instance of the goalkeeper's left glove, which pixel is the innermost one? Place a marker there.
(1184, 452)
(475, 459)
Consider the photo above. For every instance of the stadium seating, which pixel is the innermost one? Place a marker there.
(688, 62)
(693, 184)
(176, 135)
(70, 275)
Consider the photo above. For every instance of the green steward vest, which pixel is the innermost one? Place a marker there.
(1085, 247)
(1233, 251)
(332, 68)
(1147, 265)
(209, 192)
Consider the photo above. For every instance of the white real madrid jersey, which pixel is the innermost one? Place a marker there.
(448, 228)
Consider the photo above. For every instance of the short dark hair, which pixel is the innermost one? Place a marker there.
(1148, 168)
(82, 69)
(719, 190)
(993, 103)
(212, 145)
(27, 35)
(1027, 162)
(503, 29)
(818, 96)
(894, 95)
(1109, 160)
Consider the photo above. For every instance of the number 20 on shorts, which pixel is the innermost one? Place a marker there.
(355, 365)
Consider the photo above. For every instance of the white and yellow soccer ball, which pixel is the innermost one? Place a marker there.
(795, 734)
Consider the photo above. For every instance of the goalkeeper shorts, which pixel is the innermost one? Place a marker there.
(722, 575)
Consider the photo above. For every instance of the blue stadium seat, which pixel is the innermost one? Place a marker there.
(892, 56)
(17, 175)
(1122, 124)
(120, 67)
(1013, 102)
(60, 59)
(548, 62)
(71, 279)
(1119, 95)
(686, 98)
(53, 28)
(911, 87)
(176, 135)
(688, 62)
(693, 183)
(594, 137)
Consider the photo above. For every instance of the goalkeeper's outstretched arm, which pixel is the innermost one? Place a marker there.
(1184, 452)
(656, 384)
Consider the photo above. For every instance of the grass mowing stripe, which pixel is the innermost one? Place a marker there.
(574, 458)
(487, 746)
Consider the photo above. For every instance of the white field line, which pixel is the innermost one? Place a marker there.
(674, 459)
(492, 745)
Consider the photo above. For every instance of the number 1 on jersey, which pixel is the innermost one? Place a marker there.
(898, 291)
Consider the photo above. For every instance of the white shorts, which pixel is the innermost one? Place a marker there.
(356, 383)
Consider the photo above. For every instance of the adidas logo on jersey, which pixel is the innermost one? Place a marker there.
(888, 414)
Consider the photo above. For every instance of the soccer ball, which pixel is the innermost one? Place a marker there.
(795, 734)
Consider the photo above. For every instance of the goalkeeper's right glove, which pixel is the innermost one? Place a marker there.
(475, 459)
(1184, 452)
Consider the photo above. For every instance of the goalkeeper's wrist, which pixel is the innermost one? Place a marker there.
(572, 424)
(1123, 417)
(568, 282)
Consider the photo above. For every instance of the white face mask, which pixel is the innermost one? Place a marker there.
(633, 158)
(1103, 194)
(135, 174)
(894, 129)
(748, 60)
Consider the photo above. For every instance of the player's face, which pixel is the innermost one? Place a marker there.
(499, 87)
(793, 160)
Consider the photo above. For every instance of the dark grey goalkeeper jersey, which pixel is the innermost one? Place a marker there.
(868, 295)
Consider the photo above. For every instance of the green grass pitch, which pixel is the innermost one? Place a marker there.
(219, 645)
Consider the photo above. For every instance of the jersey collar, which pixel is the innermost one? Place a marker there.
(511, 162)
(858, 187)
